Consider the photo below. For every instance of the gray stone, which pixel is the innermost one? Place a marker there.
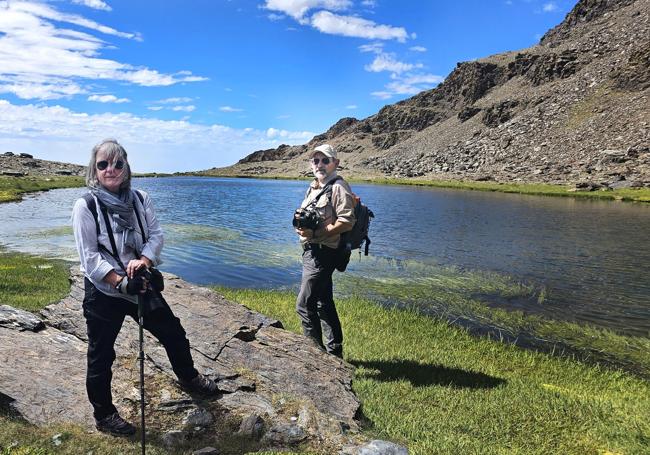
(378, 447)
(284, 434)
(206, 451)
(13, 318)
(198, 418)
(252, 427)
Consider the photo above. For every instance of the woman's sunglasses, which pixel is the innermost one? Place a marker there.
(315, 161)
(101, 165)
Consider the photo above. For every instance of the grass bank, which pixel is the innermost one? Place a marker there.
(533, 189)
(12, 188)
(432, 386)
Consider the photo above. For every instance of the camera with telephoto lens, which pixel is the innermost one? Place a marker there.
(154, 277)
(306, 219)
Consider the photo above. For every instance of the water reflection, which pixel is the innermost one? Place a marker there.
(562, 258)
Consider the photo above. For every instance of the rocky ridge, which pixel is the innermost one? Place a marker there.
(278, 389)
(23, 164)
(572, 109)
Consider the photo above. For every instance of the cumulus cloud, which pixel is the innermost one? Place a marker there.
(229, 109)
(108, 99)
(357, 27)
(409, 84)
(60, 134)
(387, 62)
(418, 48)
(351, 106)
(96, 4)
(299, 8)
(42, 59)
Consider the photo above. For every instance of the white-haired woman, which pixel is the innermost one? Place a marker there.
(118, 236)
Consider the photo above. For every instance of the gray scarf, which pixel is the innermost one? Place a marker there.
(120, 209)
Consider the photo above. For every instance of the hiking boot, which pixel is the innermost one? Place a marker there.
(115, 425)
(200, 384)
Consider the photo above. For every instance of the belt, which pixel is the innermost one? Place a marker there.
(316, 246)
(311, 246)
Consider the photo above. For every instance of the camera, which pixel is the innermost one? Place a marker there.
(306, 219)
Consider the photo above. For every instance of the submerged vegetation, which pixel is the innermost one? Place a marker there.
(437, 389)
(12, 188)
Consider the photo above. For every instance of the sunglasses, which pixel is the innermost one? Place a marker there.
(325, 161)
(101, 165)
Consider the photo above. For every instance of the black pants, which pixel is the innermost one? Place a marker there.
(315, 303)
(104, 317)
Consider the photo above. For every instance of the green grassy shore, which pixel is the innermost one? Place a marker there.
(422, 382)
(12, 188)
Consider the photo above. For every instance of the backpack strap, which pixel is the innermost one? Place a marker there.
(92, 206)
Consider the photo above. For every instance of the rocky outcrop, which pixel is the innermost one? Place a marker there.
(277, 388)
(543, 114)
(25, 164)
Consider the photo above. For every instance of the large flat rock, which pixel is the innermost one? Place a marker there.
(263, 370)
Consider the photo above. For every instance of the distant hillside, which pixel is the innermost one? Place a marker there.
(24, 164)
(573, 108)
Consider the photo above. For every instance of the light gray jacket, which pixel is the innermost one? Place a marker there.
(96, 263)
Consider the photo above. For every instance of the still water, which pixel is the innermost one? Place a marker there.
(584, 261)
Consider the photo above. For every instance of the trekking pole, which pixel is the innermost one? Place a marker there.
(141, 359)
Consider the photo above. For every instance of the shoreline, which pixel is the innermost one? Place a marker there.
(11, 188)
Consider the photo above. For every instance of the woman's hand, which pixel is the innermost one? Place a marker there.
(136, 265)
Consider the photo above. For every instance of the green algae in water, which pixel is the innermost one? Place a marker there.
(199, 233)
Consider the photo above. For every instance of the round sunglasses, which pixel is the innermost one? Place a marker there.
(102, 165)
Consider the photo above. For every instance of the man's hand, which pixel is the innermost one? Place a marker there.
(306, 233)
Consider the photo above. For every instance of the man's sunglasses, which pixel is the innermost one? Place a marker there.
(101, 165)
(325, 161)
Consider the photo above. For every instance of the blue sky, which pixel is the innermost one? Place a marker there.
(189, 85)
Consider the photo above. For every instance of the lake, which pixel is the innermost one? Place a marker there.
(560, 258)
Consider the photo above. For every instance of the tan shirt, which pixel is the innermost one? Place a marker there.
(340, 207)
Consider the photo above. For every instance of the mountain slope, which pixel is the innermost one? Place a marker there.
(573, 108)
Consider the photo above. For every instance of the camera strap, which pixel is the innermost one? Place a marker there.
(325, 189)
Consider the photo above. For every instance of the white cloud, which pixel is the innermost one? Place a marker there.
(96, 4)
(108, 99)
(387, 62)
(357, 27)
(418, 48)
(175, 100)
(155, 108)
(351, 106)
(410, 84)
(60, 134)
(369, 3)
(189, 108)
(41, 59)
(299, 8)
(275, 17)
(229, 109)
(376, 48)
(550, 7)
